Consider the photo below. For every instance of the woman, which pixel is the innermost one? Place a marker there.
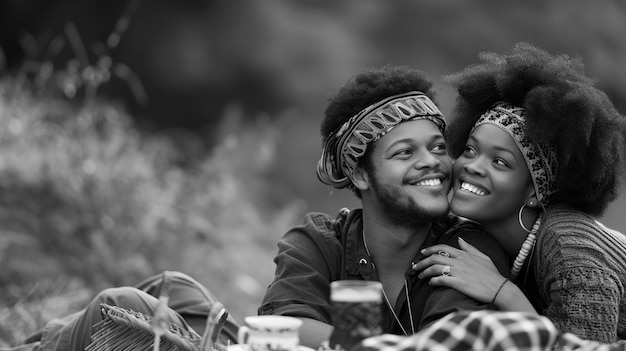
(540, 152)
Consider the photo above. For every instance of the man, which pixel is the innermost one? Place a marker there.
(383, 139)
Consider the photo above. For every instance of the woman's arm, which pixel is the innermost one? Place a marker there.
(511, 298)
(584, 302)
(578, 276)
(474, 274)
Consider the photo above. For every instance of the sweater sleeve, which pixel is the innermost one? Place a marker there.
(578, 279)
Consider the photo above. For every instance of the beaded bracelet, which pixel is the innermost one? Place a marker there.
(498, 291)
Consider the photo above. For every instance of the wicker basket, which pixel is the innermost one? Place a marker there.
(125, 329)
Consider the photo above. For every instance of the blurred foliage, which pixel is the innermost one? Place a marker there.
(88, 202)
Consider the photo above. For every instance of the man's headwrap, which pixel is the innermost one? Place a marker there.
(540, 159)
(344, 147)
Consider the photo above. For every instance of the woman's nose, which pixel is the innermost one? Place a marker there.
(474, 167)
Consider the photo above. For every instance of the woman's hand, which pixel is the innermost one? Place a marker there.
(471, 272)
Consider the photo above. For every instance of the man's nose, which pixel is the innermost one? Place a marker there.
(426, 159)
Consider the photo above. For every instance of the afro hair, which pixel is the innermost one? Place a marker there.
(368, 87)
(563, 110)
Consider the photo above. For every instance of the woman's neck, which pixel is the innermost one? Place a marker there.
(509, 233)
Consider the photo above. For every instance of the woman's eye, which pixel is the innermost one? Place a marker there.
(501, 162)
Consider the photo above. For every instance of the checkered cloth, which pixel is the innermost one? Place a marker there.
(486, 331)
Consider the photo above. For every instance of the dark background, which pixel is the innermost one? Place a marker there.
(196, 58)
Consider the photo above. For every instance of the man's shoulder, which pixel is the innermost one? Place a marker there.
(470, 231)
(462, 222)
(326, 224)
(453, 223)
(319, 223)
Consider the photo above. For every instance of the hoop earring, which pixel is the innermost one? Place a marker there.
(519, 218)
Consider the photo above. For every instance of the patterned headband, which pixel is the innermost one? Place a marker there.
(540, 159)
(344, 147)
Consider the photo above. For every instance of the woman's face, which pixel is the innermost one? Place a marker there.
(491, 178)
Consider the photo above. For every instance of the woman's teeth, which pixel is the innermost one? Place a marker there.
(472, 189)
(430, 182)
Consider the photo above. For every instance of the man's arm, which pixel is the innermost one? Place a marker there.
(314, 332)
(308, 260)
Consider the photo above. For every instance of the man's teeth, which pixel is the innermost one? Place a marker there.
(430, 182)
(472, 189)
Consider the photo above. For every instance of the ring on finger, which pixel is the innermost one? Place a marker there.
(444, 253)
(445, 271)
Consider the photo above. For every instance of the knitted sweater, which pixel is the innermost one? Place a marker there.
(580, 271)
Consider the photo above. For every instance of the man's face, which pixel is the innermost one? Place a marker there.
(410, 175)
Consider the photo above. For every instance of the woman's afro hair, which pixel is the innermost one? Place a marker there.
(563, 110)
(368, 87)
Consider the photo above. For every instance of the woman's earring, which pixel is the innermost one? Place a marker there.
(519, 217)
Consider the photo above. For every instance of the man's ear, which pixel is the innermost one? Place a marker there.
(360, 179)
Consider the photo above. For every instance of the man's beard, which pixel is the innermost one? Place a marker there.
(402, 209)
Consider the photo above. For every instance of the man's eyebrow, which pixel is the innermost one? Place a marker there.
(407, 140)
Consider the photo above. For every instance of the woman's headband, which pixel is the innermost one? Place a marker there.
(343, 148)
(540, 159)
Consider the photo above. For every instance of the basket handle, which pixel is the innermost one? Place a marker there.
(159, 320)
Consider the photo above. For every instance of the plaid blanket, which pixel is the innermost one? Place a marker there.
(486, 331)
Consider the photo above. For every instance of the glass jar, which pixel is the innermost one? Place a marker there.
(356, 312)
